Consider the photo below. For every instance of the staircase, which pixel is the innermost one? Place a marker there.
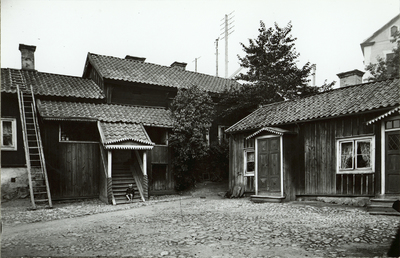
(35, 162)
(121, 178)
(383, 206)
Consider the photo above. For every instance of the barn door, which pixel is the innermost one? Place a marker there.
(268, 166)
(392, 162)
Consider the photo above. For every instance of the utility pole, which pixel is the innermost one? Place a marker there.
(195, 63)
(216, 56)
(228, 29)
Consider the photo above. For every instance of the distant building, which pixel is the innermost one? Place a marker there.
(379, 43)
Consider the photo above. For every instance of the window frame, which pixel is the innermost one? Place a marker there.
(391, 34)
(61, 140)
(221, 133)
(354, 169)
(245, 151)
(13, 121)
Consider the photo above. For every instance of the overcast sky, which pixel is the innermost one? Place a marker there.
(328, 32)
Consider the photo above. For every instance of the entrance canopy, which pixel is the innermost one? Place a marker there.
(274, 130)
(376, 119)
(124, 136)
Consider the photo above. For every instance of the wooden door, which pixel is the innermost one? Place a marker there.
(268, 166)
(392, 162)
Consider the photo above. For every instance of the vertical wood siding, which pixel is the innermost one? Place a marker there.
(236, 164)
(310, 158)
(320, 156)
(160, 176)
(73, 167)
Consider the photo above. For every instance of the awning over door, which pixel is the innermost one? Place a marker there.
(274, 130)
(393, 111)
(124, 136)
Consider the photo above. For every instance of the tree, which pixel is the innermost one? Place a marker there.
(386, 68)
(192, 110)
(272, 72)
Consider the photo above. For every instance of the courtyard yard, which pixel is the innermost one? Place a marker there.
(202, 224)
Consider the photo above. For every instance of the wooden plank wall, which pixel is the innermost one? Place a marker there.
(236, 164)
(320, 156)
(80, 165)
(160, 156)
(73, 167)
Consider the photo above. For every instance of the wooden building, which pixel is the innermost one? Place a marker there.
(340, 143)
(101, 131)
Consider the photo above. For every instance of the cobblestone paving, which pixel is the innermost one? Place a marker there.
(209, 228)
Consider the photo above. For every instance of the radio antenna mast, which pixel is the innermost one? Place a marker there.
(228, 29)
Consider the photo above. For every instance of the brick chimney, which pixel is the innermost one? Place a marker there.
(27, 57)
(350, 78)
(179, 65)
(140, 59)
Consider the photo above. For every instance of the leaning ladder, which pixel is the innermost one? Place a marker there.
(35, 162)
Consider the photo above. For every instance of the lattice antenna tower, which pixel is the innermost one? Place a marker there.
(227, 29)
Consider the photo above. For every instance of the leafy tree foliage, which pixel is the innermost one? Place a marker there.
(386, 69)
(272, 72)
(193, 111)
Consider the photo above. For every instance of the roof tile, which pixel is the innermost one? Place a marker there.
(119, 132)
(142, 72)
(148, 116)
(47, 84)
(342, 101)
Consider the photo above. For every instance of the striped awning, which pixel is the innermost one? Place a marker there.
(274, 130)
(376, 119)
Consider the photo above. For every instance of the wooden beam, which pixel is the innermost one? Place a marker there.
(109, 164)
(144, 168)
(139, 159)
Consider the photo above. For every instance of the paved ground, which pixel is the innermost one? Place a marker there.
(196, 227)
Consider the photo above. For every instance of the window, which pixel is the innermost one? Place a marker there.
(392, 124)
(222, 136)
(249, 157)
(249, 162)
(356, 155)
(78, 131)
(158, 135)
(8, 134)
(393, 31)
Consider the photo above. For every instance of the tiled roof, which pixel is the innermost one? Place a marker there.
(342, 101)
(142, 72)
(47, 84)
(148, 116)
(118, 132)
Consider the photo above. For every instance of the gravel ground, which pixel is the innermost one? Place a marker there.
(19, 211)
(201, 224)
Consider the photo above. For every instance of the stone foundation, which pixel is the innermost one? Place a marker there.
(14, 183)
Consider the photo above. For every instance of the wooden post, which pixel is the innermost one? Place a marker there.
(109, 164)
(145, 163)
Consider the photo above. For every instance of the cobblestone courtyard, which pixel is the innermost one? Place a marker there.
(196, 227)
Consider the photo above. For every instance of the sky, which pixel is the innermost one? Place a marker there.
(328, 32)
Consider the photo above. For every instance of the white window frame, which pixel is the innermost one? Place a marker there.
(354, 169)
(249, 173)
(14, 134)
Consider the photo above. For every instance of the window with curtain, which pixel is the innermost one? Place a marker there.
(356, 155)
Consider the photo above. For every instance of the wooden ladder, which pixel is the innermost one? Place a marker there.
(35, 162)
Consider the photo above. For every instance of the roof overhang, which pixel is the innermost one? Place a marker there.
(390, 112)
(274, 130)
(127, 147)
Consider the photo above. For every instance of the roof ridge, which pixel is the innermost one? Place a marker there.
(328, 91)
(159, 65)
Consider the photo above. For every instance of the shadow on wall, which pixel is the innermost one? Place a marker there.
(14, 183)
